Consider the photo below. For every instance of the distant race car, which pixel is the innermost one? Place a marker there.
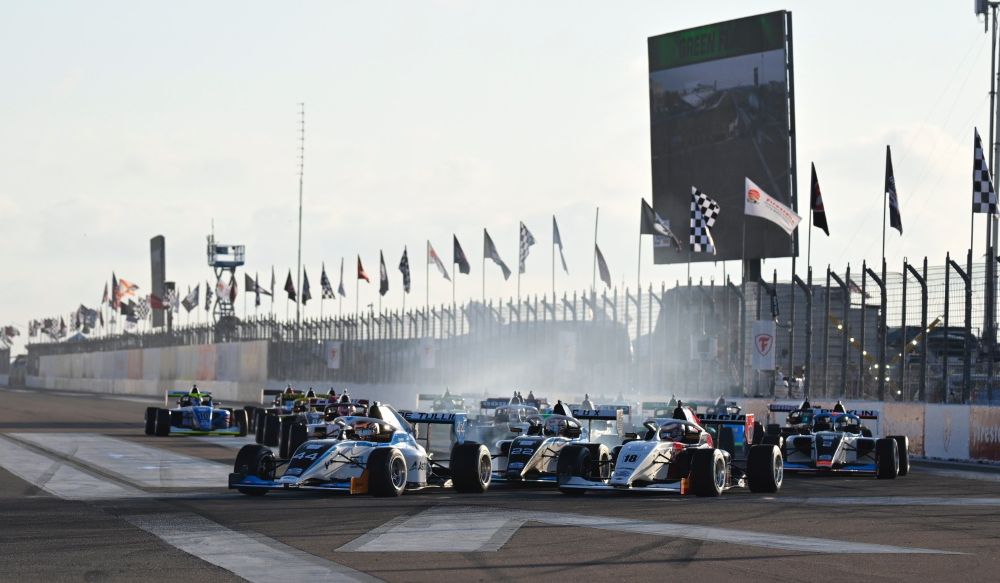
(678, 454)
(195, 413)
(268, 428)
(501, 419)
(534, 457)
(835, 441)
(376, 454)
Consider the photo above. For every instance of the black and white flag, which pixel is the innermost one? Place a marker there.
(490, 252)
(383, 275)
(704, 211)
(651, 223)
(557, 240)
(458, 256)
(191, 301)
(340, 288)
(602, 267)
(984, 198)
(526, 241)
(895, 221)
(404, 268)
(306, 294)
(324, 283)
(208, 296)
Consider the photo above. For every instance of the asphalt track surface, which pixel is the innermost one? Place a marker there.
(85, 496)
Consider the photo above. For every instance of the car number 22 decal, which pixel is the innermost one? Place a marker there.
(521, 451)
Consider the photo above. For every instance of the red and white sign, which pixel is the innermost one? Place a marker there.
(333, 350)
(762, 333)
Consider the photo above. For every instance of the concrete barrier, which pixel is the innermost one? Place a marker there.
(947, 431)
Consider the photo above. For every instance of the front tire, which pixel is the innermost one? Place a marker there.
(765, 469)
(574, 462)
(903, 453)
(708, 472)
(272, 429)
(240, 420)
(162, 422)
(297, 435)
(286, 424)
(471, 468)
(886, 459)
(150, 420)
(255, 460)
(386, 472)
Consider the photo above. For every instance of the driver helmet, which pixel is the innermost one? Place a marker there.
(671, 432)
(555, 426)
(559, 408)
(300, 406)
(822, 423)
(185, 400)
(846, 423)
(206, 400)
(345, 407)
(587, 403)
(330, 413)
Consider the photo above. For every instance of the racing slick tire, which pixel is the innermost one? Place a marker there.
(162, 422)
(758, 433)
(765, 469)
(614, 456)
(285, 424)
(386, 472)
(708, 472)
(297, 435)
(254, 460)
(471, 468)
(258, 425)
(272, 430)
(251, 417)
(602, 454)
(150, 420)
(903, 453)
(241, 421)
(574, 461)
(773, 429)
(771, 439)
(886, 459)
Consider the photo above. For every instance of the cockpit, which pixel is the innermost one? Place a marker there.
(554, 426)
(679, 431)
(848, 424)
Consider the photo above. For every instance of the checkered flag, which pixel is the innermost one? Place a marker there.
(704, 211)
(984, 198)
(527, 240)
(324, 283)
(142, 309)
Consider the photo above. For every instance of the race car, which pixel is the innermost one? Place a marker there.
(534, 456)
(376, 454)
(268, 428)
(195, 413)
(835, 441)
(312, 420)
(508, 419)
(678, 454)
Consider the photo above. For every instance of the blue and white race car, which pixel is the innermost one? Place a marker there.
(195, 413)
(376, 454)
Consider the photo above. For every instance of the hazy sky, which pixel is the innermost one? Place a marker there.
(122, 120)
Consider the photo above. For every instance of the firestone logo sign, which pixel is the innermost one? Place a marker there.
(764, 342)
(753, 195)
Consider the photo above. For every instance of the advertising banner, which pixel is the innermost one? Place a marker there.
(763, 338)
(333, 353)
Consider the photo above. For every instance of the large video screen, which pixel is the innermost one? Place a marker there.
(720, 111)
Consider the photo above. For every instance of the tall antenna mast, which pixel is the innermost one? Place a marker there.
(302, 162)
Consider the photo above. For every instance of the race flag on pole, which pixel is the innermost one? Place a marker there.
(816, 203)
(361, 271)
(104, 298)
(490, 252)
(458, 256)
(432, 257)
(324, 282)
(232, 289)
(984, 198)
(306, 295)
(602, 267)
(340, 288)
(895, 221)
(651, 223)
(757, 203)
(404, 268)
(257, 290)
(290, 286)
(114, 291)
(208, 297)
(192, 300)
(223, 289)
(383, 275)
(526, 241)
(557, 240)
(273, 281)
(703, 214)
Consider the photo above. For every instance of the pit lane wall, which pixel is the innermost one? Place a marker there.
(936, 431)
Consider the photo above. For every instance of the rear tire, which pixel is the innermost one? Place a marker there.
(251, 417)
(471, 468)
(296, 437)
(258, 425)
(285, 423)
(902, 453)
(386, 472)
(765, 469)
(708, 472)
(254, 460)
(758, 433)
(162, 422)
(150, 420)
(272, 430)
(240, 420)
(574, 462)
(886, 459)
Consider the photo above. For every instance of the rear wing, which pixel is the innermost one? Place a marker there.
(614, 413)
(264, 393)
(178, 394)
(871, 414)
(494, 403)
(458, 422)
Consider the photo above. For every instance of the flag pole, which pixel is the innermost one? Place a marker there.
(638, 271)
(593, 276)
(427, 276)
(357, 300)
(302, 159)
(453, 279)
(553, 249)
(483, 270)
(809, 244)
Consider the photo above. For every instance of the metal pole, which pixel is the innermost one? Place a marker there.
(864, 323)
(826, 335)
(947, 306)
(593, 277)
(302, 160)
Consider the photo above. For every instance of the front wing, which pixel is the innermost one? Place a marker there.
(578, 483)
(231, 431)
(253, 482)
(818, 468)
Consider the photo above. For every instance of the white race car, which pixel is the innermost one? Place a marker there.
(376, 454)
(678, 455)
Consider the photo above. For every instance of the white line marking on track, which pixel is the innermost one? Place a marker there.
(255, 558)
(55, 477)
(964, 474)
(144, 466)
(464, 529)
